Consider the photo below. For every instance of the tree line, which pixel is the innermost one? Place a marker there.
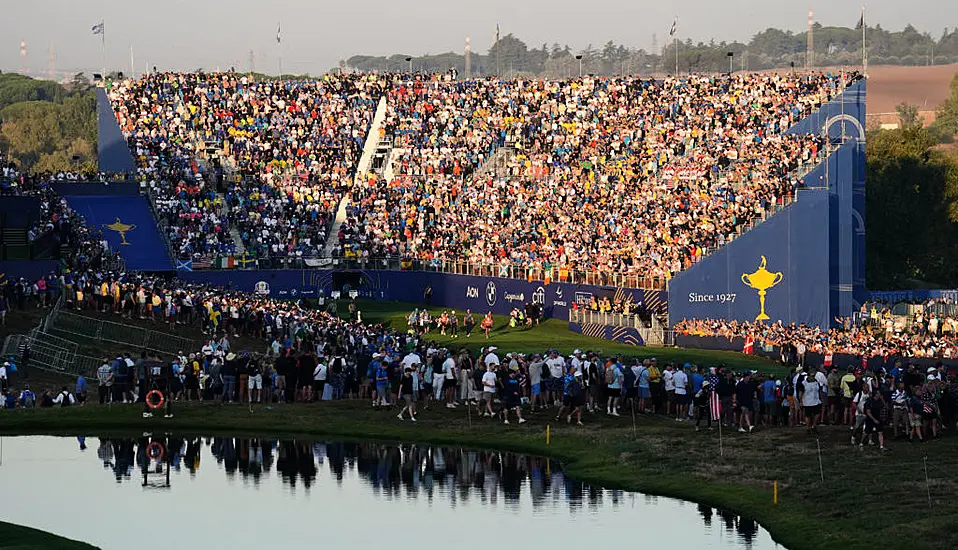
(46, 127)
(911, 201)
(771, 48)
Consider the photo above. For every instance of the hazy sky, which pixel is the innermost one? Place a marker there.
(188, 34)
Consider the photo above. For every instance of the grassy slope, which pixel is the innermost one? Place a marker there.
(663, 457)
(17, 537)
(550, 334)
(555, 333)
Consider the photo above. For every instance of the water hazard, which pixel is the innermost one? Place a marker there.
(224, 492)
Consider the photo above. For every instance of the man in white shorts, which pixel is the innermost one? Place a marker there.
(255, 381)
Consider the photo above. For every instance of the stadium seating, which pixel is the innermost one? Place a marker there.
(598, 175)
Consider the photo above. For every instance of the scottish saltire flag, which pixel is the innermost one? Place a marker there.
(184, 265)
(98, 28)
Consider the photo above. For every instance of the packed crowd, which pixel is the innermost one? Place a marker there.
(294, 144)
(618, 175)
(308, 355)
(923, 340)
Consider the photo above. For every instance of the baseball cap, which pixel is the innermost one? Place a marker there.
(578, 374)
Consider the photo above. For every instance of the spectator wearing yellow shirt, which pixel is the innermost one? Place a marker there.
(848, 383)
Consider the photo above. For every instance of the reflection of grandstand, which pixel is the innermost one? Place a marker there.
(609, 182)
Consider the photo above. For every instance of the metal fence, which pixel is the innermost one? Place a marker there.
(49, 353)
(653, 332)
(587, 316)
(118, 333)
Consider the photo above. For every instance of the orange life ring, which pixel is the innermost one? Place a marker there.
(155, 451)
(155, 403)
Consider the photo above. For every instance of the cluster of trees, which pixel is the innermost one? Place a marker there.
(46, 127)
(771, 48)
(912, 201)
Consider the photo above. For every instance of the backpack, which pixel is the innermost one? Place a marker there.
(610, 374)
(66, 399)
(655, 375)
(629, 381)
(788, 388)
(546, 372)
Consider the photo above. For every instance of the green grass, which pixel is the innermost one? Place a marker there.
(866, 497)
(554, 333)
(17, 537)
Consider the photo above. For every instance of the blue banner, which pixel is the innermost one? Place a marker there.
(128, 225)
(113, 153)
(479, 294)
(625, 335)
(31, 270)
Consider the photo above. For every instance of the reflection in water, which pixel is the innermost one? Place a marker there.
(392, 472)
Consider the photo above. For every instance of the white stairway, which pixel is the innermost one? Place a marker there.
(372, 138)
(365, 163)
(223, 212)
(333, 238)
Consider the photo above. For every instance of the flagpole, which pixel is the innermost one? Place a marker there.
(103, 45)
(675, 44)
(279, 48)
(864, 55)
(132, 65)
(498, 73)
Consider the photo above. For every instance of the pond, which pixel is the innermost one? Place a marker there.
(227, 492)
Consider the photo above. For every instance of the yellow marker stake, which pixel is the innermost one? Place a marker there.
(547, 434)
(775, 492)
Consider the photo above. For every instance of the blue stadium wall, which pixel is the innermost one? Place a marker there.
(480, 294)
(113, 154)
(31, 270)
(815, 247)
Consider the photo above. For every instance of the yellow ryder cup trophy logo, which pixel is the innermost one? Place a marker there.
(120, 228)
(762, 280)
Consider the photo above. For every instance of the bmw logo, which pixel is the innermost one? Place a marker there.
(491, 293)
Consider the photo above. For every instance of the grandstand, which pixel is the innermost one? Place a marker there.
(735, 196)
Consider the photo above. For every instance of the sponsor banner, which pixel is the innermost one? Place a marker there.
(479, 294)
